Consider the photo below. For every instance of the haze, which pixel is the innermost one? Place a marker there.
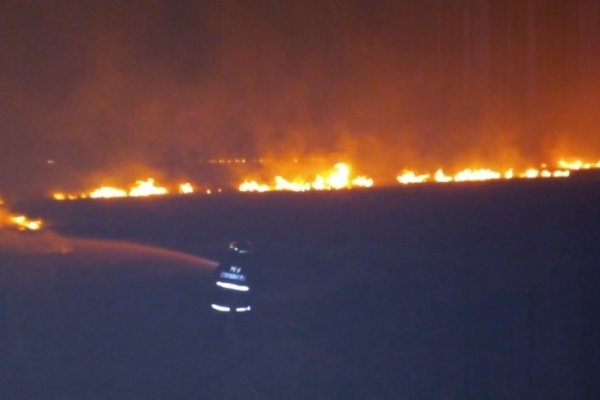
(113, 88)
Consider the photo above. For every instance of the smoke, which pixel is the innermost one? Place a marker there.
(110, 89)
(46, 242)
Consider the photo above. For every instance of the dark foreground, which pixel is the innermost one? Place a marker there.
(452, 292)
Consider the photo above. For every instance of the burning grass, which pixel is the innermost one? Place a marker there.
(338, 177)
(18, 221)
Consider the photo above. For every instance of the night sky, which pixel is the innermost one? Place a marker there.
(117, 87)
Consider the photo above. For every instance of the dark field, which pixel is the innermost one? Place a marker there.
(476, 291)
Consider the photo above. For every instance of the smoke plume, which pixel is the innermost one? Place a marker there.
(94, 91)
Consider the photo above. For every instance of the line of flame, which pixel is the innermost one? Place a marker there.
(141, 188)
(484, 174)
(339, 177)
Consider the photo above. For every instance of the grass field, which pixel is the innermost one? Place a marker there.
(474, 291)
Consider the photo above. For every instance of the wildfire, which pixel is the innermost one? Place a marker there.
(336, 178)
(253, 186)
(441, 177)
(141, 188)
(477, 175)
(363, 181)
(147, 188)
(23, 223)
(577, 165)
(107, 192)
(485, 174)
(18, 221)
(410, 177)
(186, 188)
(339, 177)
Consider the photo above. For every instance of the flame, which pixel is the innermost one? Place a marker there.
(469, 175)
(408, 177)
(23, 223)
(441, 177)
(363, 182)
(336, 178)
(107, 192)
(531, 173)
(578, 165)
(339, 177)
(141, 188)
(251, 186)
(186, 188)
(485, 174)
(18, 221)
(147, 188)
(282, 184)
(60, 196)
